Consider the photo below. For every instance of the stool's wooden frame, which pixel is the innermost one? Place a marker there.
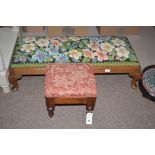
(51, 102)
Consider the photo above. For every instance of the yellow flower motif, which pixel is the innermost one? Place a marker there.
(118, 42)
(122, 51)
(107, 47)
(42, 42)
(74, 54)
(29, 39)
(28, 47)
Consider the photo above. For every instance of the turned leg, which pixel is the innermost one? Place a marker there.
(90, 104)
(136, 77)
(50, 107)
(50, 110)
(13, 80)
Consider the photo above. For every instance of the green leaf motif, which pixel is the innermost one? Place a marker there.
(68, 44)
(114, 53)
(81, 45)
(85, 42)
(111, 58)
(47, 60)
(86, 60)
(41, 49)
(65, 53)
(123, 58)
(132, 57)
(63, 46)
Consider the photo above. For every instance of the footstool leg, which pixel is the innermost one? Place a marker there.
(50, 107)
(90, 105)
(136, 77)
(13, 80)
(51, 111)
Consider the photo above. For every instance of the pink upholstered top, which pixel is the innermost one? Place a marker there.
(70, 80)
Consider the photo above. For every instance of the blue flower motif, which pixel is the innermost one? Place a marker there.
(62, 58)
(75, 60)
(53, 50)
(39, 56)
(95, 59)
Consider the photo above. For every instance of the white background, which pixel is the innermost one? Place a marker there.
(77, 12)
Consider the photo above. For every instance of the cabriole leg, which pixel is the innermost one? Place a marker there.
(13, 80)
(136, 77)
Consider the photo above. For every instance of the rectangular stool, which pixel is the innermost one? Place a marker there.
(69, 83)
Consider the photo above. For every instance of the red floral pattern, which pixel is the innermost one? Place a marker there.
(70, 80)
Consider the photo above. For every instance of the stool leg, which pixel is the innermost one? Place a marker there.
(51, 111)
(90, 104)
(50, 107)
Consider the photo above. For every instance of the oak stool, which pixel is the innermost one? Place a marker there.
(69, 83)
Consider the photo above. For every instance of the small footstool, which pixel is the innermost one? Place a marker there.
(69, 83)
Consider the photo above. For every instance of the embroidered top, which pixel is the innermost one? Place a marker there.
(40, 51)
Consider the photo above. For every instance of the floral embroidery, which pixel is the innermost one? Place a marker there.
(73, 49)
(43, 42)
(121, 51)
(118, 42)
(23, 59)
(74, 54)
(28, 47)
(88, 54)
(39, 56)
(61, 58)
(93, 45)
(107, 47)
(101, 56)
(55, 43)
(53, 50)
(29, 39)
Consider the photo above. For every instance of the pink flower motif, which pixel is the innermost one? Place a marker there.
(93, 45)
(87, 53)
(101, 56)
(55, 43)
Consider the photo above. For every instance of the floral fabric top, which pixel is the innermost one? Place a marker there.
(70, 80)
(40, 51)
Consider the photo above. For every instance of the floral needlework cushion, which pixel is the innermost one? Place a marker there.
(40, 51)
(70, 80)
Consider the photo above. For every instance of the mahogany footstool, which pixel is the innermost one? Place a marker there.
(69, 83)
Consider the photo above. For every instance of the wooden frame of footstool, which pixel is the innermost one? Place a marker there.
(51, 102)
(16, 73)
